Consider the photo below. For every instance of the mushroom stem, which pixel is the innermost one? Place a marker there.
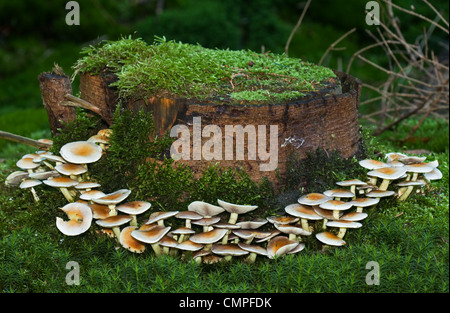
(324, 225)
(112, 210)
(35, 196)
(133, 222)
(384, 185)
(116, 231)
(336, 214)
(305, 224)
(233, 218)
(292, 237)
(408, 191)
(342, 232)
(251, 258)
(66, 194)
(156, 248)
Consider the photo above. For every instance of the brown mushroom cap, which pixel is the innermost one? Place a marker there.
(344, 224)
(130, 243)
(302, 211)
(394, 156)
(113, 198)
(99, 211)
(364, 202)
(280, 245)
(326, 214)
(252, 248)
(92, 194)
(134, 207)
(419, 168)
(87, 185)
(251, 233)
(151, 236)
(114, 221)
(70, 169)
(330, 239)
(313, 199)
(354, 216)
(335, 205)
(390, 173)
(81, 152)
(27, 164)
(189, 245)
(282, 220)
(188, 215)
(206, 221)
(372, 164)
(80, 219)
(204, 208)
(292, 229)
(228, 249)
(61, 182)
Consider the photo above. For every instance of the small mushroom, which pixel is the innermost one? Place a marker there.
(91, 195)
(72, 170)
(330, 239)
(235, 209)
(209, 237)
(254, 224)
(30, 184)
(183, 233)
(188, 216)
(27, 164)
(280, 245)
(114, 222)
(313, 199)
(206, 222)
(352, 183)
(305, 213)
(169, 245)
(343, 226)
(361, 203)
(112, 199)
(339, 193)
(205, 209)
(129, 242)
(254, 250)
(282, 220)
(159, 217)
(62, 183)
(80, 219)
(410, 185)
(294, 231)
(387, 174)
(15, 178)
(336, 206)
(228, 250)
(134, 208)
(354, 216)
(152, 236)
(249, 234)
(81, 152)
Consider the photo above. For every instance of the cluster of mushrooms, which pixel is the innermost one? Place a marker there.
(204, 235)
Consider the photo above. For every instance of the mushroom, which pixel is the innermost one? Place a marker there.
(209, 237)
(280, 245)
(27, 164)
(183, 232)
(81, 152)
(188, 245)
(394, 156)
(114, 222)
(188, 216)
(354, 216)
(313, 199)
(361, 203)
(227, 226)
(410, 185)
(80, 219)
(72, 170)
(206, 222)
(228, 250)
(134, 208)
(99, 211)
(352, 183)
(249, 234)
(159, 217)
(87, 186)
(303, 212)
(335, 206)
(387, 174)
(282, 220)
(254, 250)
(130, 243)
(112, 199)
(372, 164)
(254, 224)
(339, 193)
(235, 209)
(294, 231)
(91, 195)
(152, 236)
(31, 183)
(168, 243)
(343, 226)
(62, 183)
(205, 209)
(16, 177)
(412, 160)
(380, 193)
(330, 239)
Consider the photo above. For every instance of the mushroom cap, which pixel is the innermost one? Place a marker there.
(364, 202)
(390, 173)
(395, 163)
(313, 199)
(15, 178)
(252, 248)
(114, 221)
(412, 159)
(70, 169)
(87, 185)
(183, 231)
(209, 237)
(339, 192)
(81, 152)
(251, 233)
(302, 211)
(52, 157)
(344, 224)
(228, 249)
(29, 183)
(27, 164)
(335, 205)
(351, 182)
(372, 164)
(226, 225)
(134, 207)
(411, 183)
(206, 221)
(113, 198)
(330, 239)
(254, 224)
(394, 156)
(99, 211)
(99, 139)
(326, 214)
(273, 233)
(282, 220)
(61, 182)
(204, 208)
(169, 242)
(189, 245)
(236, 208)
(188, 215)
(435, 174)
(44, 175)
(130, 243)
(292, 229)
(158, 216)
(80, 219)
(280, 245)
(419, 168)
(92, 194)
(354, 216)
(152, 235)
(380, 193)
(298, 248)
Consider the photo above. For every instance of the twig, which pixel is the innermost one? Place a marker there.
(333, 45)
(24, 140)
(80, 103)
(294, 30)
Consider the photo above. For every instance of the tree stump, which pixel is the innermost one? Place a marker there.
(54, 87)
(326, 120)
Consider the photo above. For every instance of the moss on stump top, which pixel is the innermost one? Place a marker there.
(174, 69)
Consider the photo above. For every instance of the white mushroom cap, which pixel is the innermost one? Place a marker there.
(183, 231)
(335, 205)
(81, 152)
(113, 198)
(344, 224)
(292, 229)
(327, 214)
(339, 193)
(394, 156)
(61, 182)
(351, 182)
(330, 239)
(134, 207)
(27, 164)
(204, 208)
(280, 245)
(188, 215)
(354, 216)
(380, 193)
(252, 233)
(16, 177)
(252, 248)
(282, 220)
(209, 236)
(29, 183)
(87, 185)
(130, 243)
(80, 219)
(159, 216)
(114, 221)
(189, 245)
(411, 183)
(206, 221)
(236, 208)
(254, 224)
(419, 168)
(364, 202)
(313, 199)
(412, 159)
(44, 175)
(228, 249)
(372, 164)
(92, 194)
(152, 235)
(435, 174)
(390, 173)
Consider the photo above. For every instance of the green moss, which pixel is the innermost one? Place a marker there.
(175, 69)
